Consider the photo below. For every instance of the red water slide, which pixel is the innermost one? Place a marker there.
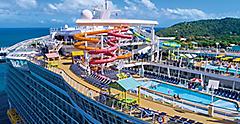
(108, 51)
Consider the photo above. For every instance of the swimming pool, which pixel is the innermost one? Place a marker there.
(192, 96)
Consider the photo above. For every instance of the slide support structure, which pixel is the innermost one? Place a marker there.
(152, 43)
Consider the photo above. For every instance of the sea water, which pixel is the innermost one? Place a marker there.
(11, 36)
(8, 37)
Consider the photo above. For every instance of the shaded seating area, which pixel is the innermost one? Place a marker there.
(227, 93)
(52, 59)
(125, 85)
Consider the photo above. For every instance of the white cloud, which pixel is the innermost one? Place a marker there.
(57, 20)
(75, 6)
(53, 7)
(184, 13)
(150, 5)
(140, 9)
(4, 12)
(26, 4)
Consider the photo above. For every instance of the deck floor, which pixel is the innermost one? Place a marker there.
(65, 65)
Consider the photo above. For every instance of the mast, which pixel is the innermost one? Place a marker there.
(106, 4)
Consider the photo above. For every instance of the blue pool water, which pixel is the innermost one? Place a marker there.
(191, 95)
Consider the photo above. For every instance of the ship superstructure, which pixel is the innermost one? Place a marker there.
(103, 71)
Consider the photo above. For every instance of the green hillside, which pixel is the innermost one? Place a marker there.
(225, 31)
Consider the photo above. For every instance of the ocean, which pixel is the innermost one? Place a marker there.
(10, 36)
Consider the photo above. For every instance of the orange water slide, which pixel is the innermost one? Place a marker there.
(82, 37)
(80, 45)
(125, 56)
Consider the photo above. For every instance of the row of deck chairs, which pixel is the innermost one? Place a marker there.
(99, 81)
(162, 77)
(129, 70)
(94, 79)
(227, 93)
(111, 74)
(77, 70)
(145, 113)
(181, 120)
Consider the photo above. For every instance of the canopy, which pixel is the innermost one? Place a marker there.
(125, 84)
(172, 54)
(189, 56)
(197, 80)
(195, 43)
(219, 56)
(170, 44)
(194, 55)
(52, 55)
(182, 55)
(237, 60)
(226, 58)
(77, 53)
(199, 58)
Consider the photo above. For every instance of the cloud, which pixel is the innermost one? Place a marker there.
(178, 13)
(75, 6)
(26, 4)
(4, 4)
(4, 12)
(150, 5)
(53, 7)
(57, 20)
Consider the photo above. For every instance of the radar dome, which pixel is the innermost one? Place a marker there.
(87, 14)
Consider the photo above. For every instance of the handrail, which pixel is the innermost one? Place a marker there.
(61, 71)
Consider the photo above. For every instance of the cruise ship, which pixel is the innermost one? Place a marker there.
(107, 71)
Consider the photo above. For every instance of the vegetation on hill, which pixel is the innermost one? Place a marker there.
(207, 32)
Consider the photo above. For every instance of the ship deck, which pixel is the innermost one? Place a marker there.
(145, 103)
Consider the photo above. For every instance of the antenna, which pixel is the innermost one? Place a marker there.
(106, 4)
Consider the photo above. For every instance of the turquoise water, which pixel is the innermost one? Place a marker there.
(10, 36)
(192, 96)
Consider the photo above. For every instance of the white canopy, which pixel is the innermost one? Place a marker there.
(114, 22)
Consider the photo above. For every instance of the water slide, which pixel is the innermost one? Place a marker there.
(106, 51)
(135, 33)
(81, 37)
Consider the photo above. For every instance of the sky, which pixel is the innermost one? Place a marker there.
(56, 13)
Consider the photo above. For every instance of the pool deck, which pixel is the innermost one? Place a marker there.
(146, 103)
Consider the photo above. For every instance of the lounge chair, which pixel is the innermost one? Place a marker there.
(146, 112)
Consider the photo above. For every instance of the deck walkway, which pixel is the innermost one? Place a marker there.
(146, 103)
